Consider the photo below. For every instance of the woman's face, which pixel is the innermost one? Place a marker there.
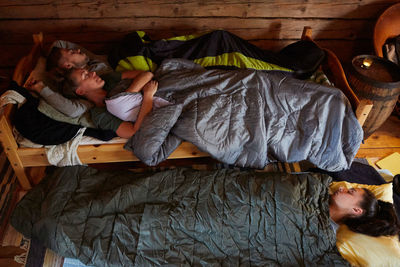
(86, 81)
(348, 199)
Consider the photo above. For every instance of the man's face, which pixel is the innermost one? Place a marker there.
(86, 81)
(73, 58)
(348, 199)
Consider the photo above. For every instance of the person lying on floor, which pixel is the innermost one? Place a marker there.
(362, 212)
(209, 217)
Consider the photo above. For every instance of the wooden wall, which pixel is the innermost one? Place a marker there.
(345, 26)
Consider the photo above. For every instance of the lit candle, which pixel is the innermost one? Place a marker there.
(367, 62)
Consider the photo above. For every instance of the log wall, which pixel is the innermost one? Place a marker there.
(344, 26)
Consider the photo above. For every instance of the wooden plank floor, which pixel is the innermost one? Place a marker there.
(382, 143)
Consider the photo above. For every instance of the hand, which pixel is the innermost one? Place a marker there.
(150, 88)
(34, 85)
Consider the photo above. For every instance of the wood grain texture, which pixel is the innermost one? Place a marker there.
(384, 141)
(349, 9)
(346, 25)
(247, 28)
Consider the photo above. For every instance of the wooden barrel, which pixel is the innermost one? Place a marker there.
(378, 80)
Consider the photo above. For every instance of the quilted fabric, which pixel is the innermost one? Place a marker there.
(248, 118)
(182, 217)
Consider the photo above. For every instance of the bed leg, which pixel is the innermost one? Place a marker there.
(18, 168)
(11, 150)
(21, 176)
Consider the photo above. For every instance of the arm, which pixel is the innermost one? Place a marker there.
(105, 120)
(125, 130)
(70, 107)
(140, 79)
(147, 104)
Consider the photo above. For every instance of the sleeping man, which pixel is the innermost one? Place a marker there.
(65, 55)
(139, 52)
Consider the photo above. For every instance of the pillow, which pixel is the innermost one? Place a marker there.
(382, 192)
(39, 72)
(364, 250)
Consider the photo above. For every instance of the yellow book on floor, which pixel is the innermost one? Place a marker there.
(391, 163)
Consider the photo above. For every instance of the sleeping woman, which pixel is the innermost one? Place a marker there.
(362, 212)
(119, 92)
(188, 217)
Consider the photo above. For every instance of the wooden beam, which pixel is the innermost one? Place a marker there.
(104, 153)
(247, 28)
(349, 9)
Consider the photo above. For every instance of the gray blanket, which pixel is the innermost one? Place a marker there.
(182, 217)
(248, 118)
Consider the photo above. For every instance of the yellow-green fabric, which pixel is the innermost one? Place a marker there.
(136, 63)
(236, 59)
(215, 49)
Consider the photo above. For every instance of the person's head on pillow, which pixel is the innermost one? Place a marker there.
(363, 213)
(82, 81)
(64, 59)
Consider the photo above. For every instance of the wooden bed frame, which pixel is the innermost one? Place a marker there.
(22, 159)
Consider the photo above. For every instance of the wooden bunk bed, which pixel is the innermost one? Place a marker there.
(22, 159)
